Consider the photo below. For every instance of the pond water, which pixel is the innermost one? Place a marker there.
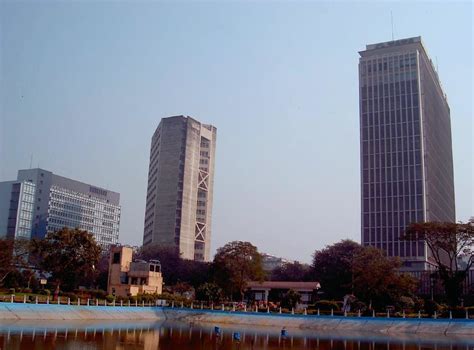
(166, 336)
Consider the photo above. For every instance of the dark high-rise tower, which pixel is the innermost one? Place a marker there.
(180, 187)
(406, 151)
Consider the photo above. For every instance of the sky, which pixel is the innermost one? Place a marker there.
(84, 84)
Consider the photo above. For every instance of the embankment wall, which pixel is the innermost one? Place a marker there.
(17, 311)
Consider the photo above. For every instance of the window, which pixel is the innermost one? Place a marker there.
(116, 258)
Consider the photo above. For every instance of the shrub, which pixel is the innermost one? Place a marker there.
(11, 291)
(358, 306)
(110, 298)
(405, 303)
(27, 290)
(72, 296)
(45, 292)
(326, 305)
(431, 306)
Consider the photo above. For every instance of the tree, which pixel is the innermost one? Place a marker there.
(209, 291)
(13, 255)
(449, 243)
(332, 268)
(377, 280)
(235, 264)
(291, 272)
(175, 269)
(290, 299)
(70, 255)
(102, 272)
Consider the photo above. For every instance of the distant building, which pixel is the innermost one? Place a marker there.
(61, 202)
(180, 187)
(271, 262)
(16, 209)
(128, 277)
(274, 291)
(406, 148)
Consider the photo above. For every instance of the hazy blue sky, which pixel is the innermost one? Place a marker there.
(84, 85)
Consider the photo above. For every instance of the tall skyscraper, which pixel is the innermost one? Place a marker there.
(180, 187)
(61, 202)
(406, 150)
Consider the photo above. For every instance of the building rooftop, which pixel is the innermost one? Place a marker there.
(392, 43)
(387, 47)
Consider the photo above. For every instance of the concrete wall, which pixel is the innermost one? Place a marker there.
(42, 312)
(455, 327)
(326, 323)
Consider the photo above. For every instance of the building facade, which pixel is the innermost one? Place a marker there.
(180, 187)
(16, 209)
(128, 277)
(406, 150)
(61, 202)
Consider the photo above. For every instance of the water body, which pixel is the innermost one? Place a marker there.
(31, 335)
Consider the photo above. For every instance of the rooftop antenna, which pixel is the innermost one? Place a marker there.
(391, 19)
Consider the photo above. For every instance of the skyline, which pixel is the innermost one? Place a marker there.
(103, 84)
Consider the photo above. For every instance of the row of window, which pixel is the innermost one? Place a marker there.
(388, 63)
(26, 214)
(72, 197)
(390, 103)
(100, 236)
(385, 89)
(389, 205)
(372, 138)
(389, 78)
(84, 215)
(29, 188)
(390, 219)
(404, 115)
(393, 189)
(401, 249)
(391, 132)
(381, 160)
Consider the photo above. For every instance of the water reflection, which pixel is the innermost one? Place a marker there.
(167, 336)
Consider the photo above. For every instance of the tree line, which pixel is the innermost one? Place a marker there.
(70, 258)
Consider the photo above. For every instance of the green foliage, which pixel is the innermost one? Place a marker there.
(70, 255)
(45, 292)
(332, 267)
(449, 243)
(72, 296)
(326, 305)
(405, 303)
(291, 272)
(235, 264)
(359, 306)
(13, 257)
(431, 306)
(376, 278)
(209, 291)
(290, 299)
(110, 298)
(173, 268)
